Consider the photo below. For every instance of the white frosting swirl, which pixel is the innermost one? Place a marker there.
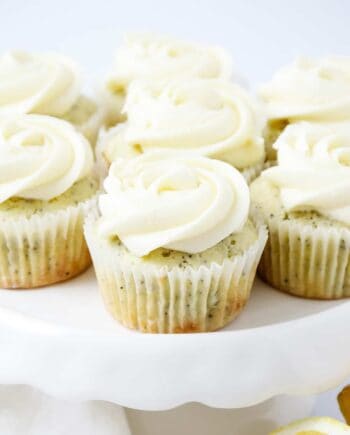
(314, 90)
(213, 118)
(44, 83)
(153, 57)
(40, 157)
(185, 203)
(313, 171)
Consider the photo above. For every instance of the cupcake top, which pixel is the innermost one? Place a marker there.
(184, 203)
(40, 157)
(44, 83)
(308, 89)
(213, 118)
(156, 57)
(313, 171)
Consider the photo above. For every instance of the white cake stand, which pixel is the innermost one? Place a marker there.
(62, 341)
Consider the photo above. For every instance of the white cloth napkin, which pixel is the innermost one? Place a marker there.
(25, 411)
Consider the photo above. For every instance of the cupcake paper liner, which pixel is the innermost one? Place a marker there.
(91, 127)
(173, 300)
(101, 162)
(113, 104)
(44, 248)
(306, 261)
(252, 172)
(271, 134)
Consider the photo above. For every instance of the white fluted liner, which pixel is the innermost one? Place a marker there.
(44, 248)
(253, 172)
(172, 300)
(271, 134)
(90, 128)
(113, 103)
(101, 163)
(307, 261)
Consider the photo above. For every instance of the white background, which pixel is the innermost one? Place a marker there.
(261, 36)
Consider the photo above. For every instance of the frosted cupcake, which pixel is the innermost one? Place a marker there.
(306, 204)
(46, 187)
(157, 57)
(211, 118)
(310, 90)
(174, 249)
(47, 84)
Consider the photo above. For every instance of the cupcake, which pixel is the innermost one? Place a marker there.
(46, 188)
(211, 118)
(47, 84)
(305, 202)
(156, 57)
(306, 90)
(173, 247)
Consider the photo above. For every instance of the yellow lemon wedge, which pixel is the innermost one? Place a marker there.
(314, 426)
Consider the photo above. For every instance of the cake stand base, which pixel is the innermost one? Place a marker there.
(194, 418)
